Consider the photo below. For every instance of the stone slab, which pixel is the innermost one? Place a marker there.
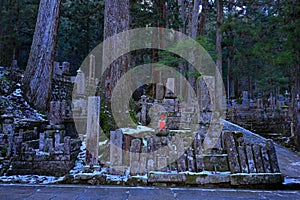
(255, 178)
(202, 179)
(166, 178)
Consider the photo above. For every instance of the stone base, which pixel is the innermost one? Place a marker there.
(118, 170)
(182, 179)
(166, 178)
(217, 162)
(202, 179)
(255, 179)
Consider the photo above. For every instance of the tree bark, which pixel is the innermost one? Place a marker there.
(194, 7)
(182, 8)
(116, 20)
(202, 21)
(38, 75)
(218, 88)
(219, 34)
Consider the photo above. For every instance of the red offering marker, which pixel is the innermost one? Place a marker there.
(162, 123)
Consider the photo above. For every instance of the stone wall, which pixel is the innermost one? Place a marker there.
(181, 158)
(62, 85)
(50, 158)
(42, 150)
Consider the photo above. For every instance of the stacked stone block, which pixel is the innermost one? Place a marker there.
(180, 158)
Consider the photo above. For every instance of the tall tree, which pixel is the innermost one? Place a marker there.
(38, 75)
(219, 37)
(116, 20)
(219, 34)
(202, 21)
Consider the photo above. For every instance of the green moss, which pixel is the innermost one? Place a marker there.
(238, 134)
(4, 151)
(191, 179)
(133, 116)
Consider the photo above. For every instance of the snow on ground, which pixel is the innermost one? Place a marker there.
(138, 130)
(16, 105)
(30, 179)
(103, 142)
(296, 164)
(288, 180)
(80, 160)
(17, 93)
(204, 173)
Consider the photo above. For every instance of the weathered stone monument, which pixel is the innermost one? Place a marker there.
(245, 99)
(170, 87)
(160, 91)
(116, 152)
(80, 83)
(93, 128)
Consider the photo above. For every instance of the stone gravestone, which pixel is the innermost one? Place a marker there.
(93, 127)
(143, 161)
(159, 91)
(8, 124)
(272, 156)
(116, 141)
(281, 100)
(56, 66)
(256, 148)
(91, 86)
(134, 156)
(55, 117)
(170, 87)
(42, 141)
(80, 82)
(144, 110)
(245, 100)
(231, 148)
(243, 159)
(92, 67)
(14, 65)
(250, 159)
(259, 101)
(65, 67)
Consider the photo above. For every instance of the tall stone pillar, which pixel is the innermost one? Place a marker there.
(80, 82)
(93, 130)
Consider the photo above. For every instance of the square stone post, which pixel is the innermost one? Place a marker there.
(116, 142)
(93, 128)
(80, 82)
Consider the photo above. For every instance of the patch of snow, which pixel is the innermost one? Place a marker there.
(288, 180)
(116, 178)
(140, 176)
(145, 143)
(160, 172)
(296, 164)
(138, 130)
(41, 153)
(80, 160)
(204, 173)
(181, 131)
(31, 179)
(103, 143)
(17, 93)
